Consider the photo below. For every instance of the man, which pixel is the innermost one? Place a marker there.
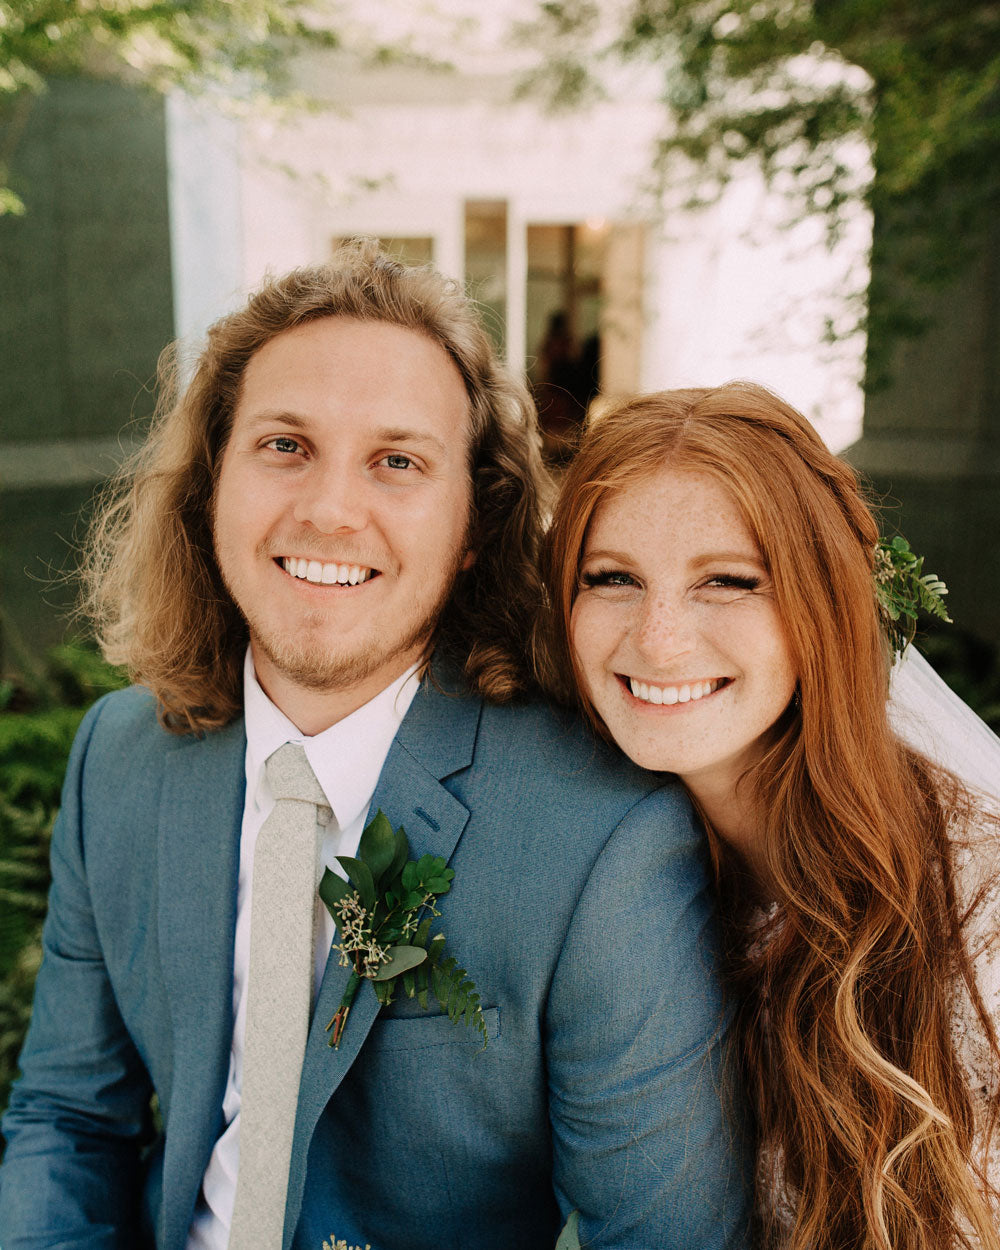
(348, 485)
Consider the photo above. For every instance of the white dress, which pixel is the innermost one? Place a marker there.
(977, 881)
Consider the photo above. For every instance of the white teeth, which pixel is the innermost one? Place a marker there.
(325, 574)
(690, 692)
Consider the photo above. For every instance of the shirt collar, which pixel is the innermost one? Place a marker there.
(346, 758)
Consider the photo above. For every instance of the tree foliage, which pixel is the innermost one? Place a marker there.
(235, 46)
(893, 104)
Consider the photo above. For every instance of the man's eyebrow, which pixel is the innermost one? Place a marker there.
(401, 434)
(387, 434)
(267, 415)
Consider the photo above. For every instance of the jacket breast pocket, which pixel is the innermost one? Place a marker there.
(423, 1032)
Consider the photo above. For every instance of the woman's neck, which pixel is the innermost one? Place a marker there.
(736, 822)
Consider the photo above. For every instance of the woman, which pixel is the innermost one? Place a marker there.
(710, 566)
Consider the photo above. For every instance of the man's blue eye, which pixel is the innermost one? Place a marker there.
(398, 462)
(284, 444)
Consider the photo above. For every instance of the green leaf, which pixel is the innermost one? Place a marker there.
(361, 875)
(410, 983)
(332, 889)
(411, 877)
(569, 1238)
(428, 866)
(378, 846)
(400, 959)
(438, 885)
(400, 855)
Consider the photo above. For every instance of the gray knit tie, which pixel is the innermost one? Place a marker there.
(279, 995)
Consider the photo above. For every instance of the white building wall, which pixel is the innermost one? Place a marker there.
(397, 154)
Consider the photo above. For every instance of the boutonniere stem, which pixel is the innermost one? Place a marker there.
(383, 913)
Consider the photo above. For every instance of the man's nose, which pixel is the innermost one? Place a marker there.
(332, 499)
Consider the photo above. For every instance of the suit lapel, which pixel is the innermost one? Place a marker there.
(436, 739)
(199, 834)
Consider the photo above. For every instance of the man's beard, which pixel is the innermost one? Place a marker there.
(311, 666)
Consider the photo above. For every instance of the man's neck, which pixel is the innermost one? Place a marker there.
(313, 710)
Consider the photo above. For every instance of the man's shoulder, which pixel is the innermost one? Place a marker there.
(548, 757)
(561, 734)
(128, 721)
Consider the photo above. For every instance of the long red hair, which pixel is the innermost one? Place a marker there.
(862, 1107)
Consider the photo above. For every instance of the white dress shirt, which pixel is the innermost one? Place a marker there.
(347, 759)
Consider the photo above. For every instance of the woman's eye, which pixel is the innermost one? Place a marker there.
(284, 444)
(607, 577)
(731, 581)
(396, 461)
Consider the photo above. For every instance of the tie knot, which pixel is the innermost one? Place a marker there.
(290, 776)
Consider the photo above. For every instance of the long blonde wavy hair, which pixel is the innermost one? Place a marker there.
(151, 583)
(843, 1029)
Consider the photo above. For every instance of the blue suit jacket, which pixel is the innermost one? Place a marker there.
(578, 907)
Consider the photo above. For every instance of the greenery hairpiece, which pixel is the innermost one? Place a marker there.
(903, 590)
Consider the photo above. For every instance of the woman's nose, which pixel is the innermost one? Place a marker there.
(664, 631)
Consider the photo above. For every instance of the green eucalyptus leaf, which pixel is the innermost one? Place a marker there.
(361, 875)
(400, 959)
(332, 889)
(378, 846)
(569, 1238)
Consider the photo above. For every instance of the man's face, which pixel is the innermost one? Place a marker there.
(342, 509)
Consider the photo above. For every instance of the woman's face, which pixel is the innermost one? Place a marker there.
(676, 632)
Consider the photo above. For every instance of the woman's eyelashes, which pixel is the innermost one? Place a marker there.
(591, 578)
(606, 577)
(735, 581)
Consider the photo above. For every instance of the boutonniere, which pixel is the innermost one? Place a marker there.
(383, 913)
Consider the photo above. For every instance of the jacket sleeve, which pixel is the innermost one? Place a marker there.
(645, 1138)
(80, 1112)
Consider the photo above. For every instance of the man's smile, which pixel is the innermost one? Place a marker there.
(326, 574)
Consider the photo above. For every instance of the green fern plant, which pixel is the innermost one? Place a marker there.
(38, 720)
(383, 913)
(904, 590)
